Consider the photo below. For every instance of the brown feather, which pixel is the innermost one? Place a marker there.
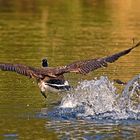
(82, 67)
(19, 68)
(38, 73)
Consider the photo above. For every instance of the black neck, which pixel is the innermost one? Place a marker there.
(45, 64)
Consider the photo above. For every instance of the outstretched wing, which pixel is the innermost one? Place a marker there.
(84, 67)
(19, 68)
(31, 72)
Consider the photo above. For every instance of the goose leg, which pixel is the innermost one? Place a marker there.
(43, 93)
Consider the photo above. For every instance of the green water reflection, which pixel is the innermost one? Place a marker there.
(62, 31)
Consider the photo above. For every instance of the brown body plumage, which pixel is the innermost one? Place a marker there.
(56, 73)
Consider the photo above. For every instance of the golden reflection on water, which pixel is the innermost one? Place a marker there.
(63, 31)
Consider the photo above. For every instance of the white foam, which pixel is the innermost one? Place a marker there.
(99, 96)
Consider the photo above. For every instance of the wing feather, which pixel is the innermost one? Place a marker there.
(19, 68)
(84, 67)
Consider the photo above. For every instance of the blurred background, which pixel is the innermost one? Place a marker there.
(61, 31)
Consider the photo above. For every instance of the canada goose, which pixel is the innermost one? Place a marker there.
(54, 84)
(52, 78)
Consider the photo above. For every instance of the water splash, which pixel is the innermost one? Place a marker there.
(94, 110)
(131, 96)
(98, 99)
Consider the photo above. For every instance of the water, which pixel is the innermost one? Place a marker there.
(65, 31)
(96, 103)
(99, 98)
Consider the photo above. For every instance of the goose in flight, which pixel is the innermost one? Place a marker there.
(52, 78)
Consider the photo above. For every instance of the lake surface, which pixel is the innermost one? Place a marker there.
(64, 31)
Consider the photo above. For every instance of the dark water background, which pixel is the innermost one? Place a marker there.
(63, 31)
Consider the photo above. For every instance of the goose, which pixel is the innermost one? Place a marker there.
(52, 78)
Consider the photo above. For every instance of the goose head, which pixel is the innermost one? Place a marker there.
(44, 62)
